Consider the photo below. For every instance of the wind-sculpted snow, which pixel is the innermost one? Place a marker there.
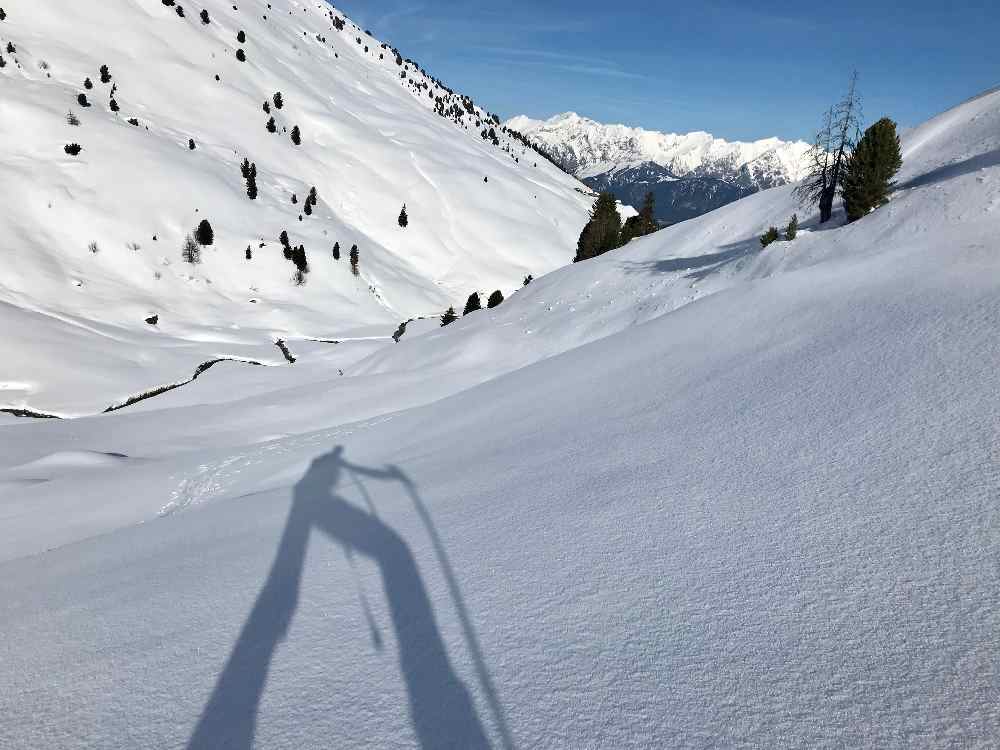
(692, 493)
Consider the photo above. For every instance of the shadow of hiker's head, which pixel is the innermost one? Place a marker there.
(325, 470)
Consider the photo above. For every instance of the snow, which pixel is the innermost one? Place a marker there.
(371, 143)
(593, 148)
(692, 493)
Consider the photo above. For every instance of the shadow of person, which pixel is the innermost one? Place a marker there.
(441, 709)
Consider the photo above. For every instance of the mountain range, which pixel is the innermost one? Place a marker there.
(689, 174)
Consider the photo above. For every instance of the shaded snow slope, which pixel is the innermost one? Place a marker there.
(688, 494)
(371, 141)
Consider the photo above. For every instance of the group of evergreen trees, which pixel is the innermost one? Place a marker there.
(858, 166)
(249, 171)
(773, 235)
(605, 232)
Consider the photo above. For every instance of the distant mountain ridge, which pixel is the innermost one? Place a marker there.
(690, 173)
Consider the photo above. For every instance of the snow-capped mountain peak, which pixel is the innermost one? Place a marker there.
(589, 148)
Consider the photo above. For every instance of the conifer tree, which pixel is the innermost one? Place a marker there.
(191, 252)
(241, 55)
(88, 84)
(105, 74)
(299, 259)
(792, 230)
(528, 279)
(249, 253)
(267, 107)
(355, 258)
(271, 127)
(771, 235)
(191, 144)
(279, 102)
(495, 300)
(602, 232)
(870, 169)
(82, 100)
(241, 36)
(448, 317)
(204, 17)
(204, 234)
(296, 136)
(336, 251)
(472, 304)
(403, 218)
(307, 209)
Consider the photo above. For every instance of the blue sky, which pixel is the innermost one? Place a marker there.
(740, 70)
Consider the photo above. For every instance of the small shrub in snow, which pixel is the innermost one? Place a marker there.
(307, 209)
(204, 17)
(241, 55)
(11, 49)
(793, 228)
(72, 119)
(271, 127)
(105, 74)
(133, 121)
(472, 304)
(267, 107)
(191, 144)
(72, 148)
(241, 36)
(204, 234)
(279, 102)
(528, 279)
(88, 84)
(113, 105)
(190, 251)
(296, 136)
(93, 248)
(295, 199)
(180, 10)
(448, 317)
(355, 258)
(403, 220)
(249, 253)
(336, 251)
(495, 300)
(771, 235)
(3, 15)
(82, 100)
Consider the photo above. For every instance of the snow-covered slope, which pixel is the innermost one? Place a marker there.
(689, 494)
(588, 148)
(91, 244)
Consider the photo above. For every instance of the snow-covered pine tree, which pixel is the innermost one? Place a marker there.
(190, 251)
